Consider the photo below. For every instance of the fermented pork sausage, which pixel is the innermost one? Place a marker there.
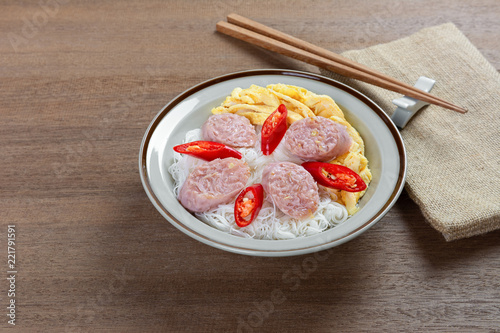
(291, 188)
(213, 183)
(317, 139)
(230, 129)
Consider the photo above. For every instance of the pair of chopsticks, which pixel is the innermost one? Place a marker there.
(258, 34)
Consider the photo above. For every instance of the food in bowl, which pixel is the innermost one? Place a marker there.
(303, 204)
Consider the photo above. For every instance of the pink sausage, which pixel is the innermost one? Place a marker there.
(291, 188)
(317, 139)
(214, 183)
(230, 129)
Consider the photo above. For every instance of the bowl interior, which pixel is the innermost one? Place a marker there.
(383, 148)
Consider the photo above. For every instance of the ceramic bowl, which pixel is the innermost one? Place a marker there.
(383, 147)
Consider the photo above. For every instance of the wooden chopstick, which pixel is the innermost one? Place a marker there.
(301, 44)
(287, 45)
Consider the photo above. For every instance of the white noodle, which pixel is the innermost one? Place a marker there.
(271, 223)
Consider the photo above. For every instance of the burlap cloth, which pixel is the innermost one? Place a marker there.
(453, 159)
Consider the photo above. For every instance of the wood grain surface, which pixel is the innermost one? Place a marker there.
(80, 82)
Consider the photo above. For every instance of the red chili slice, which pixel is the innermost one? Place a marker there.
(335, 176)
(207, 150)
(273, 130)
(248, 205)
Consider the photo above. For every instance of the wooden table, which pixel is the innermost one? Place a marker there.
(81, 81)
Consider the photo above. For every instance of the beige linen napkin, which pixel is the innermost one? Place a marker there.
(453, 159)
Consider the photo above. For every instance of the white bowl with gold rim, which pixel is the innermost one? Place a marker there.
(384, 150)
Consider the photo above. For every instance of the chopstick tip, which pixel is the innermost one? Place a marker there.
(219, 25)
